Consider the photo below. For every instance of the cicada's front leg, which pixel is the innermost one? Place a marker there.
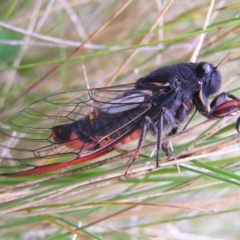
(201, 101)
(222, 107)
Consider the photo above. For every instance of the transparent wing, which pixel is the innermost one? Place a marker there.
(28, 135)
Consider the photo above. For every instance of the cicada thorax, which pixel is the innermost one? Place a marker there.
(100, 128)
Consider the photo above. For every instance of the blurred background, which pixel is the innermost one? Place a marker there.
(118, 42)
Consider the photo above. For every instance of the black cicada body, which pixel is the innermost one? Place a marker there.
(93, 122)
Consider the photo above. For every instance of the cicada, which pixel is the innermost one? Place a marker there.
(93, 122)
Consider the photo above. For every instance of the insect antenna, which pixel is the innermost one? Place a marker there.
(222, 60)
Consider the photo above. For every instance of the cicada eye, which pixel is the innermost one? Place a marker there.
(203, 68)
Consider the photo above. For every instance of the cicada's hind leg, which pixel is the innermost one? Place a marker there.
(148, 123)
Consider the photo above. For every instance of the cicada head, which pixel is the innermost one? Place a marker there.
(209, 76)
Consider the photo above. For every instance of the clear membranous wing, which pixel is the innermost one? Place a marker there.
(74, 123)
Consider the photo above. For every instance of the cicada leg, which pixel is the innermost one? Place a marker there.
(158, 129)
(221, 107)
(147, 123)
